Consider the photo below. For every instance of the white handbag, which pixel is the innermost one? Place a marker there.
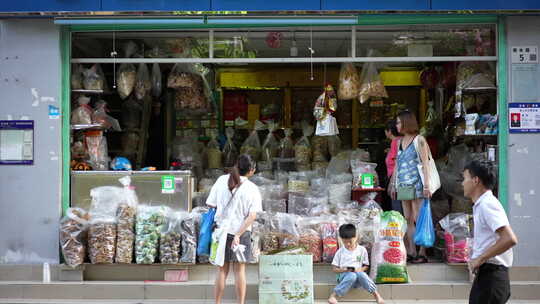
(434, 179)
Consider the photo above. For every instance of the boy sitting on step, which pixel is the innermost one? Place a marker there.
(351, 263)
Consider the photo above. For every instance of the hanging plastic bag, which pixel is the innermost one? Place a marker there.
(82, 115)
(252, 145)
(286, 145)
(372, 85)
(425, 232)
(389, 256)
(143, 84)
(183, 75)
(170, 239)
(127, 73)
(219, 241)
(103, 119)
(96, 145)
(302, 149)
(213, 154)
(205, 234)
(94, 79)
(230, 153)
(349, 82)
(73, 229)
(157, 84)
(150, 221)
(77, 77)
(270, 146)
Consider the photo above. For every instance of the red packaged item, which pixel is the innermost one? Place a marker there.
(330, 241)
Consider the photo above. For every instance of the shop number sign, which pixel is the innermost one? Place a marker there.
(524, 54)
(524, 117)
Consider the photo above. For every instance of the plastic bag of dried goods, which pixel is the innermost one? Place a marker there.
(302, 149)
(126, 214)
(286, 145)
(372, 85)
(270, 147)
(170, 239)
(103, 119)
(339, 164)
(82, 115)
(288, 230)
(252, 145)
(299, 181)
(157, 85)
(349, 82)
(310, 237)
(183, 75)
(102, 240)
(319, 145)
(256, 234)
(188, 229)
(213, 154)
(389, 256)
(126, 79)
(370, 218)
(458, 237)
(96, 145)
(329, 236)
(230, 152)
(149, 224)
(131, 114)
(77, 77)
(73, 229)
(361, 168)
(94, 78)
(143, 83)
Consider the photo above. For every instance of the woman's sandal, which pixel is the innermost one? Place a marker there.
(420, 260)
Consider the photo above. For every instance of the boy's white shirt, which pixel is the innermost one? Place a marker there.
(346, 258)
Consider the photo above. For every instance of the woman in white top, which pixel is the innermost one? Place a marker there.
(237, 201)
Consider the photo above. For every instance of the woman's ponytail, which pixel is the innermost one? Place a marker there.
(234, 178)
(243, 166)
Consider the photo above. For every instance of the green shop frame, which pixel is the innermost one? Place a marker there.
(146, 24)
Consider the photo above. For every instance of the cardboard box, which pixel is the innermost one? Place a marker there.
(286, 279)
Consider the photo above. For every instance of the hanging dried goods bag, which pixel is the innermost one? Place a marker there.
(372, 85)
(252, 145)
(302, 149)
(349, 82)
(143, 83)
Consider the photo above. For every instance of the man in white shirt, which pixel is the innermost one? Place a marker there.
(493, 237)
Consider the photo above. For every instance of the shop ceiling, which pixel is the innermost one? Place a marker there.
(261, 5)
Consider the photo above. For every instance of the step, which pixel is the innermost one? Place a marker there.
(59, 301)
(426, 272)
(203, 290)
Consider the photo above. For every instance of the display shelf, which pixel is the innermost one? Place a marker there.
(89, 91)
(86, 127)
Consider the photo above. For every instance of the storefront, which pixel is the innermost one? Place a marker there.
(251, 68)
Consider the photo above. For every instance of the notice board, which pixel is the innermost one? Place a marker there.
(286, 279)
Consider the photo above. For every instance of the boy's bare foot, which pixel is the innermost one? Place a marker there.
(378, 298)
(332, 299)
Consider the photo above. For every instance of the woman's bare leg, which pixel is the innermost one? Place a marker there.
(408, 211)
(221, 278)
(240, 281)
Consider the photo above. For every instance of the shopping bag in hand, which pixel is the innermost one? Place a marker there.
(205, 235)
(425, 232)
(217, 248)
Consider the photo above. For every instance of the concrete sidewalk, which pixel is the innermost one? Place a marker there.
(6, 301)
